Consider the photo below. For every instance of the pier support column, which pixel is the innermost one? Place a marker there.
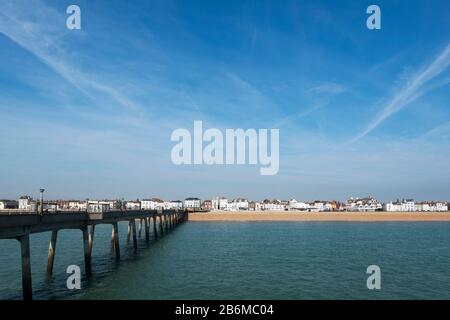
(166, 222)
(161, 226)
(87, 253)
(155, 228)
(27, 288)
(51, 252)
(115, 239)
(140, 228)
(147, 229)
(133, 226)
(129, 231)
(91, 239)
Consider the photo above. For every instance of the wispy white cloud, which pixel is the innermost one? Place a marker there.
(328, 88)
(413, 89)
(38, 28)
(441, 131)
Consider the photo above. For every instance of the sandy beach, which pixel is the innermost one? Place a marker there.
(319, 216)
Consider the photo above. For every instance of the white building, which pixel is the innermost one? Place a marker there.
(113, 204)
(173, 205)
(77, 205)
(392, 206)
(192, 203)
(238, 204)
(295, 205)
(406, 205)
(219, 203)
(441, 206)
(363, 204)
(254, 206)
(152, 204)
(133, 205)
(315, 206)
(430, 206)
(25, 203)
(274, 205)
(98, 207)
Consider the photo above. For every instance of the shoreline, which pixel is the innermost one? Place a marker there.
(319, 216)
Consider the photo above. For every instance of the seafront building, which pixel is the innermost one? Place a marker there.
(26, 203)
(406, 205)
(367, 204)
(70, 205)
(219, 203)
(173, 204)
(133, 205)
(432, 206)
(409, 205)
(272, 205)
(207, 205)
(152, 204)
(192, 203)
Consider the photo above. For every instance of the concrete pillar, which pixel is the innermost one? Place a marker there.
(115, 238)
(140, 228)
(147, 229)
(51, 252)
(155, 228)
(161, 230)
(27, 288)
(129, 231)
(133, 226)
(87, 253)
(166, 222)
(91, 239)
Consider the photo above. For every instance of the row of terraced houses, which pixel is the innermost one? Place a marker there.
(366, 204)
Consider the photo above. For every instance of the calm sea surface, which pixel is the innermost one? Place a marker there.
(245, 260)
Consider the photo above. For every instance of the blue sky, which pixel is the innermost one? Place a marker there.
(89, 113)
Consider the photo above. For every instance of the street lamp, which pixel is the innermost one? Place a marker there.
(42, 201)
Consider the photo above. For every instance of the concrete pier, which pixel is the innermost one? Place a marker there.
(19, 226)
